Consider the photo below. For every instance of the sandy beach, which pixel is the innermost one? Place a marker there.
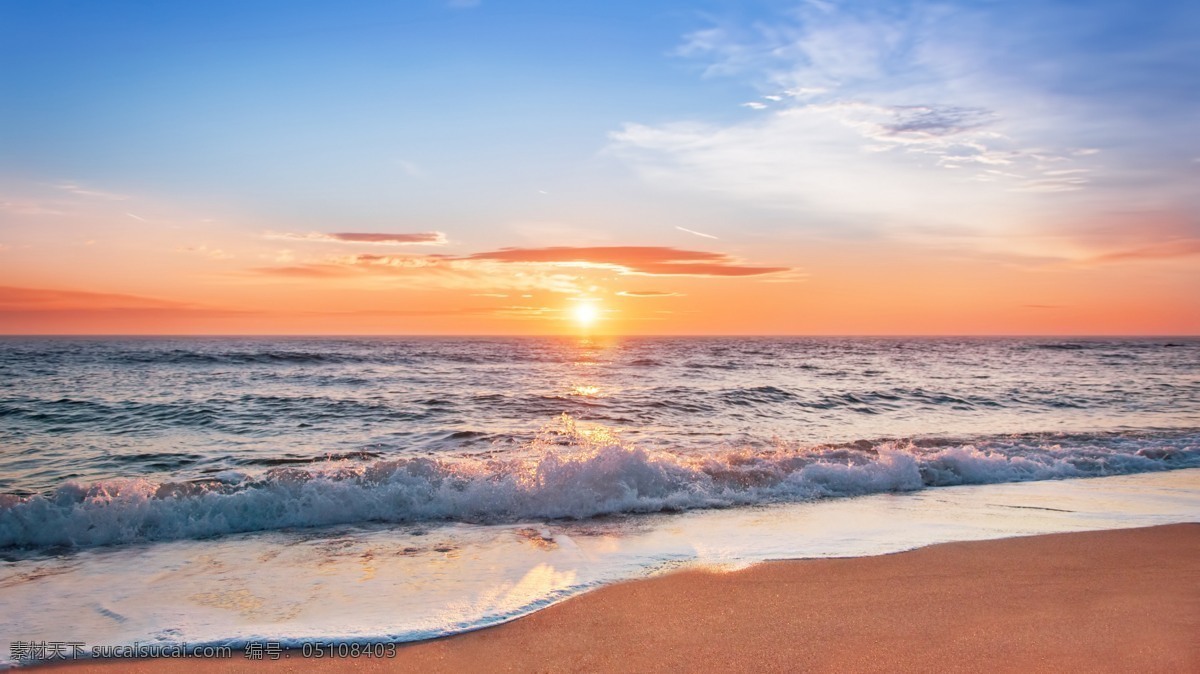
(1125, 600)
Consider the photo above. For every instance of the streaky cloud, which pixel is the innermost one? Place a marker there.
(13, 297)
(692, 231)
(381, 239)
(643, 260)
(1166, 250)
(648, 293)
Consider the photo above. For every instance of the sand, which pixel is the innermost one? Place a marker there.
(1126, 600)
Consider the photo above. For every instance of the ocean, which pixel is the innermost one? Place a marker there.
(189, 492)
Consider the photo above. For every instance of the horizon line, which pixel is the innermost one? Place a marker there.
(617, 335)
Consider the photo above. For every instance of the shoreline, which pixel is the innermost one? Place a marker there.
(1115, 600)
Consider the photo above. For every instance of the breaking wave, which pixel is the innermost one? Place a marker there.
(567, 472)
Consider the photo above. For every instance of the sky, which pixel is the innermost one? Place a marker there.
(965, 167)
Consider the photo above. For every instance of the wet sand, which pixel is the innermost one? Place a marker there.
(1126, 600)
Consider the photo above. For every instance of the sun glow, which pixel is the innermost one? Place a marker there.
(585, 314)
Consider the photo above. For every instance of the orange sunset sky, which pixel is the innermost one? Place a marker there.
(464, 168)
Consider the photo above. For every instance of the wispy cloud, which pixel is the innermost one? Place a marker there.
(1125, 235)
(511, 271)
(82, 191)
(648, 293)
(42, 299)
(381, 239)
(692, 231)
(914, 114)
(410, 169)
(427, 271)
(1159, 251)
(644, 260)
(206, 251)
(25, 207)
(824, 160)
(23, 309)
(305, 271)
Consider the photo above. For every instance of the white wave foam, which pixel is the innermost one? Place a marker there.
(568, 473)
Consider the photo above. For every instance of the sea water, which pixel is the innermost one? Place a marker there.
(229, 490)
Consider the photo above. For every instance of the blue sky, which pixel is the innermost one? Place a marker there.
(264, 103)
(268, 102)
(1015, 131)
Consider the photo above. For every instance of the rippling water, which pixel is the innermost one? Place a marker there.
(406, 488)
(121, 440)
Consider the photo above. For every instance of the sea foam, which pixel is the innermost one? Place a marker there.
(568, 473)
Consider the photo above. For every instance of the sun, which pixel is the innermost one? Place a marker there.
(585, 314)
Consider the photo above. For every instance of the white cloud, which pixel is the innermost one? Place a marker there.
(866, 122)
(81, 191)
(817, 159)
(364, 238)
(692, 231)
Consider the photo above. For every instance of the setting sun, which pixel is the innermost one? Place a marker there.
(585, 314)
